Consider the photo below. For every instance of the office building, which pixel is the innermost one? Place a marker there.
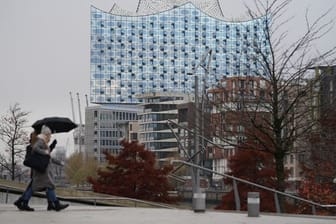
(105, 127)
(157, 110)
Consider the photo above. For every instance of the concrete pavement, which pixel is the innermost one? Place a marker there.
(97, 215)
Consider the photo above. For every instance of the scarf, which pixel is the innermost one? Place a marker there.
(44, 138)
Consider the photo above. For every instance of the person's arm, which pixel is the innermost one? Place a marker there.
(52, 145)
(57, 162)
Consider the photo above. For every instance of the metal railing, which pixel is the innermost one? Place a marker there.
(87, 199)
(276, 192)
(129, 201)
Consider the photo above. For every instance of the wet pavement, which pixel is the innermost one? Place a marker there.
(119, 215)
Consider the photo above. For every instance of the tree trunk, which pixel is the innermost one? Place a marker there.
(13, 165)
(281, 178)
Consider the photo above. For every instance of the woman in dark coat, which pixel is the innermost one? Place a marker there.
(43, 181)
(22, 202)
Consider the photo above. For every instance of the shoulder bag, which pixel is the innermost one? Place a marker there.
(36, 161)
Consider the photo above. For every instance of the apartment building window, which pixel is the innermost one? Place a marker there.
(291, 159)
(301, 158)
(251, 88)
(241, 139)
(239, 106)
(262, 94)
(262, 84)
(240, 128)
(134, 136)
(291, 172)
(331, 86)
(241, 84)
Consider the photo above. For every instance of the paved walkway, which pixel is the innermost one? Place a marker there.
(97, 215)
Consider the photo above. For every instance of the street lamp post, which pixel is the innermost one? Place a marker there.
(198, 199)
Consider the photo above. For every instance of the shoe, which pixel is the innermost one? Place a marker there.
(25, 207)
(22, 205)
(18, 204)
(56, 205)
(50, 206)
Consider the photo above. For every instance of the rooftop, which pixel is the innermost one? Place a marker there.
(146, 7)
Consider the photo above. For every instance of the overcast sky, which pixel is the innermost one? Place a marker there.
(45, 50)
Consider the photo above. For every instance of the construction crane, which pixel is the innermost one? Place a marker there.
(72, 107)
(80, 125)
(87, 101)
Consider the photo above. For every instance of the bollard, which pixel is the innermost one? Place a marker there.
(253, 204)
(199, 202)
(7, 192)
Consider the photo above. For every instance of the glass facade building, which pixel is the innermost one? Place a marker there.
(154, 133)
(141, 54)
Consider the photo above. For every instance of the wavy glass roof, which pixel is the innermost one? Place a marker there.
(147, 7)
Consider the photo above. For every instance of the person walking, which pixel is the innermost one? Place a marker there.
(22, 202)
(44, 180)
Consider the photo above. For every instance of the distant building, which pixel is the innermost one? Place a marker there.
(321, 155)
(186, 122)
(154, 132)
(154, 49)
(186, 126)
(105, 127)
(138, 56)
(234, 99)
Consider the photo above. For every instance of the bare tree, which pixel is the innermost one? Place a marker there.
(14, 136)
(278, 115)
(78, 168)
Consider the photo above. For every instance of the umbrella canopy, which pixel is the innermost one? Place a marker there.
(56, 124)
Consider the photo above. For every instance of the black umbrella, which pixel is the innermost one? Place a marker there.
(56, 124)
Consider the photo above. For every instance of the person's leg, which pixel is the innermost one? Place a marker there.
(22, 202)
(51, 195)
(28, 192)
(53, 202)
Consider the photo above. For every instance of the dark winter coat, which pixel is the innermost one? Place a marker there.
(44, 180)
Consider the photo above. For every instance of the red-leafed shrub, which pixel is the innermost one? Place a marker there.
(133, 174)
(255, 166)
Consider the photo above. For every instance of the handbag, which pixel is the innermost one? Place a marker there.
(36, 161)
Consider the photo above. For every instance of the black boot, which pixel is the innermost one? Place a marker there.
(18, 204)
(50, 206)
(56, 205)
(25, 207)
